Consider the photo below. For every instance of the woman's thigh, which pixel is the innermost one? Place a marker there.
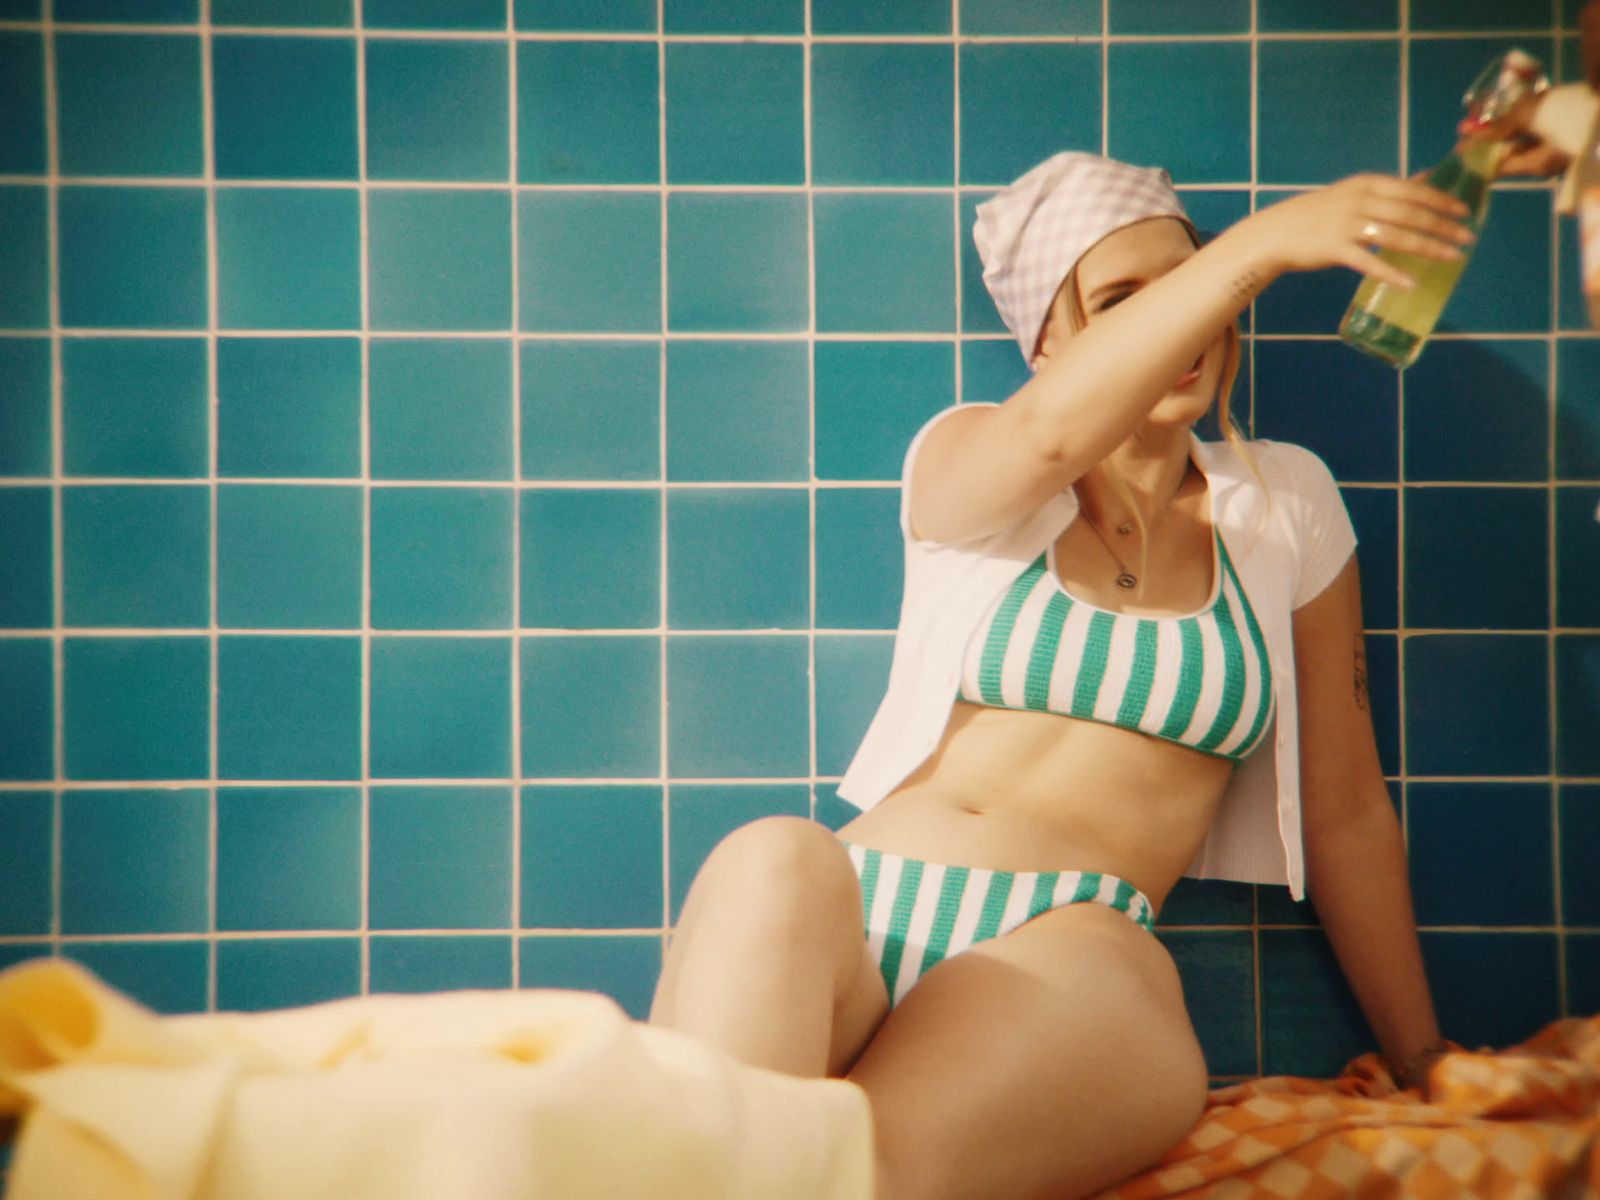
(1052, 1061)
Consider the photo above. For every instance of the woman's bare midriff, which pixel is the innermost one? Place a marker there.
(1033, 791)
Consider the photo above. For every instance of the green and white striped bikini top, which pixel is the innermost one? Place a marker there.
(1203, 680)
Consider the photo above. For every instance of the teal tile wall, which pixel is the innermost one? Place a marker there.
(448, 456)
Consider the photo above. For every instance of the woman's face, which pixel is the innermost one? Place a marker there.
(1112, 270)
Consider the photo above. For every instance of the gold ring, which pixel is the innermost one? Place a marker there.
(1369, 232)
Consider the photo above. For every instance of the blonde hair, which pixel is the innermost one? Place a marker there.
(1231, 354)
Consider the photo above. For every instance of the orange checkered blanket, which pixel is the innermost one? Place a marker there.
(1523, 1122)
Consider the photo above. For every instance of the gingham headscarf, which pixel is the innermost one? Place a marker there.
(1032, 232)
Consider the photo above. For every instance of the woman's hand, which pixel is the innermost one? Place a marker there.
(1334, 226)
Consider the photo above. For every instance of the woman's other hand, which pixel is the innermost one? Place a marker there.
(1335, 226)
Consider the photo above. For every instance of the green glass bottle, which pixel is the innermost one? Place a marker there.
(1393, 322)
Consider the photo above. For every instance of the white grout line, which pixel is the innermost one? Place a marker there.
(363, 930)
(517, 765)
(1552, 365)
(811, 410)
(213, 304)
(58, 473)
(663, 729)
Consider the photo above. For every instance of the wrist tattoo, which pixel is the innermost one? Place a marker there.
(1361, 674)
(1245, 286)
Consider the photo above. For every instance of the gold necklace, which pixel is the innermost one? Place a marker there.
(1126, 579)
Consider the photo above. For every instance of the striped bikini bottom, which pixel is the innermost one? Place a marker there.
(919, 913)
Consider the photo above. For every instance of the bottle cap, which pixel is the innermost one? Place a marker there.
(1510, 78)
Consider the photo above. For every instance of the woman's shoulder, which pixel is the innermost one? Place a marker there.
(1285, 465)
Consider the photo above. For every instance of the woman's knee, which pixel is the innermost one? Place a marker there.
(782, 870)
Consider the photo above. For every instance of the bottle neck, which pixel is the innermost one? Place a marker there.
(1482, 155)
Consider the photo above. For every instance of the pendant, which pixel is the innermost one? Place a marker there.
(1125, 527)
(1125, 580)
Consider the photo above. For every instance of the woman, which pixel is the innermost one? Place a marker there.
(1112, 635)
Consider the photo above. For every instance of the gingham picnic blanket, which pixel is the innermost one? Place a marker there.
(1521, 1123)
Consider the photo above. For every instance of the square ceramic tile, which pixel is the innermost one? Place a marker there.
(288, 858)
(1374, 513)
(137, 707)
(27, 693)
(24, 261)
(288, 258)
(572, 542)
(440, 259)
(441, 409)
(142, 12)
(438, 109)
(884, 262)
(611, 729)
(1579, 818)
(735, 113)
(1506, 285)
(1317, 16)
(883, 114)
(1311, 392)
(886, 16)
(1181, 105)
(570, 131)
(1349, 92)
(441, 708)
(625, 968)
(1468, 974)
(1383, 689)
(588, 16)
(26, 841)
(737, 558)
(591, 410)
(1149, 17)
(752, 16)
(433, 14)
(440, 858)
(288, 557)
(1477, 14)
(310, 13)
(1304, 301)
(852, 672)
(1479, 410)
(133, 257)
(1457, 726)
(257, 974)
(1217, 969)
(27, 586)
(736, 706)
(137, 555)
(285, 107)
(1583, 972)
(591, 857)
(737, 411)
(1572, 308)
(739, 263)
(1311, 1024)
(24, 406)
(1480, 853)
(134, 861)
(1023, 17)
(22, 133)
(440, 964)
(128, 104)
(1577, 557)
(1577, 704)
(872, 397)
(168, 977)
(288, 407)
(589, 262)
(289, 707)
(1021, 103)
(441, 558)
(857, 538)
(1476, 558)
(135, 407)
(1208, 902)
(991, 370)
(705, 813)
(1578, 409)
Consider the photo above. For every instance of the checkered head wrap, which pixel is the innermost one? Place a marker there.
(1033, 231)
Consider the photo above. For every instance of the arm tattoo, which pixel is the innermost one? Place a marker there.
(1245, 286)
(1361, 672)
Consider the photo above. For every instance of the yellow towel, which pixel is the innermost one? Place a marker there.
(532, 1094)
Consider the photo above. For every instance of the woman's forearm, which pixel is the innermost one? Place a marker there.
(1086, 399)
(1358, 880)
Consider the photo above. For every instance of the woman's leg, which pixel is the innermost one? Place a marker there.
(769, 960)
(1052, 1062)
